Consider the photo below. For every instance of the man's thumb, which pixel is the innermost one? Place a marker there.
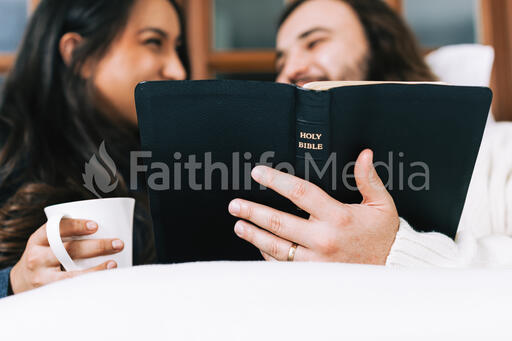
(368, 182)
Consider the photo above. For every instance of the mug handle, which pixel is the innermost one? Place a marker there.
(55, 241)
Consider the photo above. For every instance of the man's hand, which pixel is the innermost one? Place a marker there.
(335, 232)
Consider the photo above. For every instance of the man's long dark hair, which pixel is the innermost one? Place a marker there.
(394, 51)
(48, 122)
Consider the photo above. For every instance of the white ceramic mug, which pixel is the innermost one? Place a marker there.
(114, 217)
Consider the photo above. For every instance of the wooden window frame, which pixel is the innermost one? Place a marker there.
(205, 62)
(497, 32)
(6, 61)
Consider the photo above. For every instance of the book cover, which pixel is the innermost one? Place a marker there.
(204, 137)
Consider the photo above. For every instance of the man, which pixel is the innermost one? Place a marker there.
(322, 40)
(346, 40)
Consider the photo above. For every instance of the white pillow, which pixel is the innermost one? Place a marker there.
(466, 64)
(265, 301)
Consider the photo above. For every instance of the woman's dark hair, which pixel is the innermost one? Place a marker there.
(394, 51)
(49, 125)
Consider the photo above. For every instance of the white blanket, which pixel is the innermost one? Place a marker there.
(265, 301)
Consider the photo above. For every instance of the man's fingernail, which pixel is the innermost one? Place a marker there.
(239, 228)
(234, 207)
(91, 225)
(257, 173)
(111, 265)
(117, 244)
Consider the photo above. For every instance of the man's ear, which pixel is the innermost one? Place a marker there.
(67, 45)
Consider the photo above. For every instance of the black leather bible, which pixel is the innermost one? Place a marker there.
(203, 137)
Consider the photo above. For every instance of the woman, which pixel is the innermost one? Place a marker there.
(71, 88)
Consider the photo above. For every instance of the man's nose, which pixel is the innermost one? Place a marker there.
(173, 69)
(296, 67)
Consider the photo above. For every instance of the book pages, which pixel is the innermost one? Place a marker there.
(326, 85)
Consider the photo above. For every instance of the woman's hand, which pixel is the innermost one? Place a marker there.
(38, 265)
(335, 232)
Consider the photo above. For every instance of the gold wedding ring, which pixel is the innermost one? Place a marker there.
(291, 252)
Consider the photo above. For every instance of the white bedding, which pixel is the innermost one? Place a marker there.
(265, 301)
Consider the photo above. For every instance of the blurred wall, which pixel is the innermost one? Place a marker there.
(443, 22)
(13, 18)
(245, 24)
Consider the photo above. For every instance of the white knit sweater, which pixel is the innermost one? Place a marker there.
(484, 235)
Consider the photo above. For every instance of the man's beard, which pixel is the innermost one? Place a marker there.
(359, 72)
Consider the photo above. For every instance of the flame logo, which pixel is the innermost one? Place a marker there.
(100, 175)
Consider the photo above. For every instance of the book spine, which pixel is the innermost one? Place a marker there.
(313, 136)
